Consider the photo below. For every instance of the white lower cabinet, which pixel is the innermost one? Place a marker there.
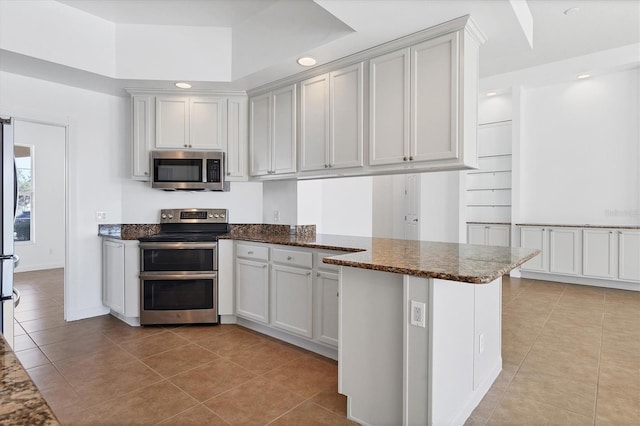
(584, 252)
(564, 251)
(628, 255)
(292, 299)
(252, 290)
(598, 253)
(489, 234)
(326, 307)
(120, 269)
(288, 289)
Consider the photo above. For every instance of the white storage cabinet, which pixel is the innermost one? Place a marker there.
(252, 282)
(272, 132)
(489, 234)
(331, 120)
(120, 284)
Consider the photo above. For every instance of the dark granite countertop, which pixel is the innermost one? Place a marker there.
(449, 261)
(585, 225)
(490, 223)
(20, 401)
(128, 231)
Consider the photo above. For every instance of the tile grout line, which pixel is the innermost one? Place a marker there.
(595, 405)
(527, 353)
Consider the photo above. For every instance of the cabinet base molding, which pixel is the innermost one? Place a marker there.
(132, 321)
(620, 285)
(285, 337)
(228, 319)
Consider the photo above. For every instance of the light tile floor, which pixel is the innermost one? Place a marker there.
(571, 355)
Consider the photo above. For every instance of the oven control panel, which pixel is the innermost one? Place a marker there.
(194, 216)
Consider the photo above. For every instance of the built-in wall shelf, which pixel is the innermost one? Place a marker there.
(489, 187)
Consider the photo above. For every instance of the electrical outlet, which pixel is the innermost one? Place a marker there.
(276, 216)
(101, 216)
(418, 311)
(481, 343)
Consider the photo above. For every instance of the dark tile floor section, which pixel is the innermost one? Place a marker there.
(571, 355)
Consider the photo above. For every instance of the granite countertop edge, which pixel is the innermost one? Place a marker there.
(560, 225)
(20, 400)
(497, 268)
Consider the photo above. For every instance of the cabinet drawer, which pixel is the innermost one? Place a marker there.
(292, 257)
(252, 252)
(326, 266)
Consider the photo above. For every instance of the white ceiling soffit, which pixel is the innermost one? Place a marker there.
(282, 32)
(215, 13)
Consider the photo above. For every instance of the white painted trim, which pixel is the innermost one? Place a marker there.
(79, 314)
(40, 267)
(477, 395)
(132, 321)
(621, 285)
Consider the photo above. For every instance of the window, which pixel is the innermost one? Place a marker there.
(24, 169)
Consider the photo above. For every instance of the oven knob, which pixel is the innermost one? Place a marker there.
(170, 216)
(222, 215)
(164, 216)
(216, 215)
(210, 215)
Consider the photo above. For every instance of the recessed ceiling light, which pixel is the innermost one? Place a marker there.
(572, 11)
(307, 61)
(183, 85)
(583, 76)
(492, 93)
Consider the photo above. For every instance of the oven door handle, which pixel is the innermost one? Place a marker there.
(177, 245)
(177, 276)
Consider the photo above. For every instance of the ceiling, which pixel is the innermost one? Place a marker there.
(268, 35)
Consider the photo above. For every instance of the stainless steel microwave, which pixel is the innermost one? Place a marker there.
(188, 171)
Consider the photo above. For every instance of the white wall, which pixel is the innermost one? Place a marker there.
(96, 133)
(580, 151)
(45, 250)
(440, 206)
(494, 108)
(280, 202)
(142, 204)
(310, 203)
(347, 206)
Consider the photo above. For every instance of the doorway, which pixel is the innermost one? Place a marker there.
(40, 232)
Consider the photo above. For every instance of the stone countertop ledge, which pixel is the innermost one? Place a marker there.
(449, 261)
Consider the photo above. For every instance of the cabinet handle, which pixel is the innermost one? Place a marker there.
(404, 159)
(325, 166)
(289, 258)
(308, 273)
(330, 165)
(317, 274)
(338, 294)
(228, 173)
(249, 252)
(264, 266)
(411, 158)
(146, 173)
(185, 145)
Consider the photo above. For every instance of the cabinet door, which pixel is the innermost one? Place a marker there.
(498, 235)
(260, 135)
(284, 130)
(314, 123)
(172, 122)
(598, 250)
(476, 234)
(237, 139)
(327, 297)
(563, 251)
(535, 238)
(252, 290)
(345, 134)
(629, 253)
(389, 108)
(207, 123)
(113, 275)
(434, 99)
(292, 300)
(143, 134)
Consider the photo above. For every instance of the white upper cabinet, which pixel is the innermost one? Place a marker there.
(237, 138)
(389, 100)
(434, 99)
(331, 120)
(143, 108)
(196, 123)
(272, 132)
(207, 123)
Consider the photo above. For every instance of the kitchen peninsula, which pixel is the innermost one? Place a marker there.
(419, 323)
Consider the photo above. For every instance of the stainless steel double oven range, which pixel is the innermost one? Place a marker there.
(179, 267)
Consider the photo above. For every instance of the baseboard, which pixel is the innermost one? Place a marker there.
(477, 395)
(228, 319)
(132, 321)
(296, 341)
(595, 282)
